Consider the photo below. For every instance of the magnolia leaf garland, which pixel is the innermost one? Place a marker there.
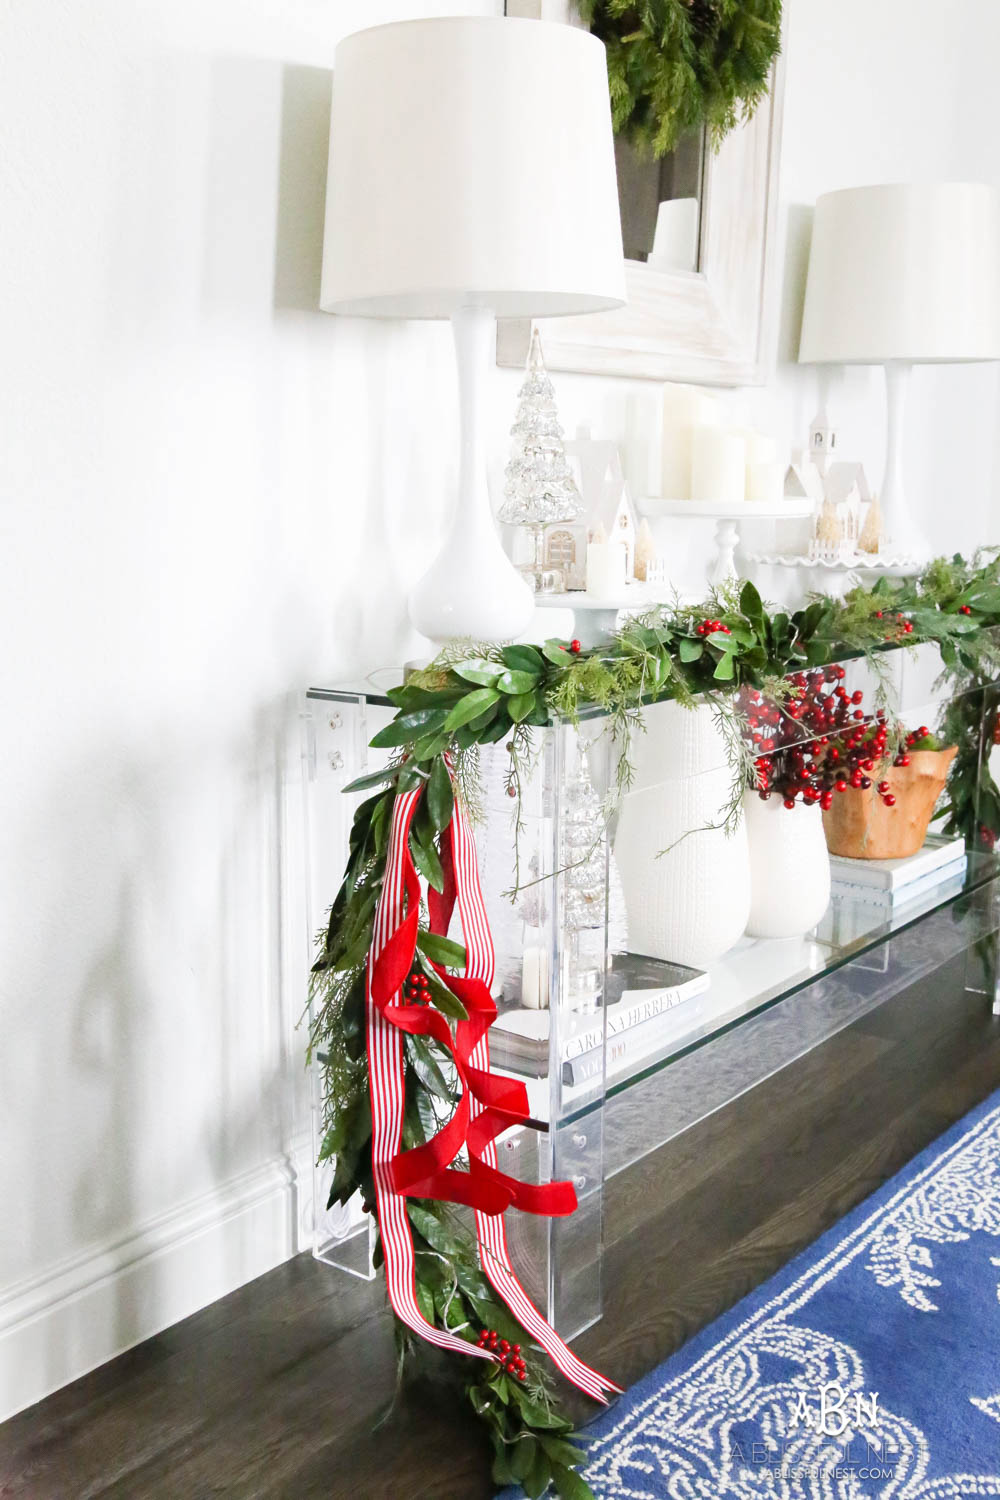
(469, 699)
(676, 65)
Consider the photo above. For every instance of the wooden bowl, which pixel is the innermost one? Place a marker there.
(860, 825)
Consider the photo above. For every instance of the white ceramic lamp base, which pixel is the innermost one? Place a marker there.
(905, 537)
(472, 590)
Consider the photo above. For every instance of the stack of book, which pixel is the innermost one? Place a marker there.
(643, 996)
(891, 882)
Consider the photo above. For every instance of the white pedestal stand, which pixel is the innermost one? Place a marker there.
(594, 620)
(727, 518)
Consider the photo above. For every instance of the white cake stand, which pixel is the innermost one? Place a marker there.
(595, 619)
(727, 517)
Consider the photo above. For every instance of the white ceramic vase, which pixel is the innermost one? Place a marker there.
(789, 867)
(688, 905)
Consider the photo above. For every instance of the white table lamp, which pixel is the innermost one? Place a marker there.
(471, 177)
(900, 275)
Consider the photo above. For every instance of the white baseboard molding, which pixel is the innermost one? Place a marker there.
(75, 1315)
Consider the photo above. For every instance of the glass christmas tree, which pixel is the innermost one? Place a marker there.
(539, 487)
(584, 885)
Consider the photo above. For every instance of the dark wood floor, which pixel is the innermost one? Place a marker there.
(273, 1392)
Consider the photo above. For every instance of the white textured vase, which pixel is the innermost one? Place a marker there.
(688, 905)
(789, 867)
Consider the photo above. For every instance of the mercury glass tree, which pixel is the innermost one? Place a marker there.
(539, 487)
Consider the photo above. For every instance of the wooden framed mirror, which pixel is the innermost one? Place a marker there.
(699, 231)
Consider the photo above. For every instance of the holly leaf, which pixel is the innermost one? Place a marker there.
(434, 1232)
(408, 727)
(725, 669)
(373, 778)
(496, 731)
(440, 796)
(479, 723)
(752, 607)
(355, 954)
(562, 1452)
(522, 1455)
(557, 653)
(523, 659)
(485, 673)
(513, 683)
(520, 706)
(426, 859)
(427, 1068)
(442, 998)
(570, 1485)
(441, 950)
(536, 1415)
(500, 1470)
(430, 746)
(690, 650)
(491, 1314)
(425, 1301)
(410, 776)
(537, 1480)
(470, 707)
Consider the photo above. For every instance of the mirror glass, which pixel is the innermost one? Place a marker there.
(661, 203)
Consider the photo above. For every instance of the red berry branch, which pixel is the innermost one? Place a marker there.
(509, 1355)
(416, 988)
(817, 742)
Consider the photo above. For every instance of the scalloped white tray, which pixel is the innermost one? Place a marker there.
(894, 567)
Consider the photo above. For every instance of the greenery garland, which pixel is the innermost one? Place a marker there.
(675, 65)
(472, 698)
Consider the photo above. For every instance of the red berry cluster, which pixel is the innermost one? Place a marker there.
(965, 609)
(576, 647)
(901, 626)
(817, 742)
(916, 739)
(509, 1355)
(416, 988)
(709, 627)
(987, 837)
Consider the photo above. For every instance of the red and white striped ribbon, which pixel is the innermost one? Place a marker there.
(490, 1228)
(387, 1078)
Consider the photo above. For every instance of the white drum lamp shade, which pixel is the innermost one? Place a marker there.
(471, 176)
(471, 163)
(903, 274)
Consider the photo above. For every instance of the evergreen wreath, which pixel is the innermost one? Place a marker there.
(472, 697)
(675, 65)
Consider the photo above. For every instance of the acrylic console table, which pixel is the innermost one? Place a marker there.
(768, 1002)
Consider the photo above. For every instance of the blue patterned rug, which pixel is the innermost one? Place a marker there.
(869, 1367)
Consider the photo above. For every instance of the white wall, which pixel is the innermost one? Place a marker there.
(211, 494)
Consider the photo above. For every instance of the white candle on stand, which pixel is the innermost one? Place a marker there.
(718, 465)
(605, 566)
(765, 481)
(534, 979)
(684, 408)
(643, 441)
(761, 449)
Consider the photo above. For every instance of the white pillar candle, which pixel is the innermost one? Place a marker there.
(535, 979)
(643, 442)
(718, 465)
(605, 566)
(684, 408)
(765, 481)
(761, 449)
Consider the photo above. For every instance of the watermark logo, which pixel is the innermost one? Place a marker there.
(833, 1410)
